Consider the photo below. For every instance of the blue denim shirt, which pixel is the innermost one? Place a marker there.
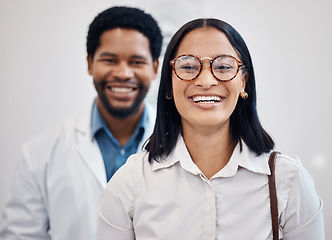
(113, 153)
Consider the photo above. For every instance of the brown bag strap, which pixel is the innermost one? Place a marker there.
(273, 197)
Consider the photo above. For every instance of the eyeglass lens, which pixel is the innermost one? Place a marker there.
(223, 68)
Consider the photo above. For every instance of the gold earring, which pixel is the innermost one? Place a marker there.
(169, 95)
(244, 95)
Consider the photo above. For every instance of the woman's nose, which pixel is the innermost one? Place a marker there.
(205, 79)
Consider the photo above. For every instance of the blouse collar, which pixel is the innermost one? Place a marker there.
(239, 159)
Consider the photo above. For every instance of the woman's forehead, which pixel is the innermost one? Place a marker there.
(206, 42)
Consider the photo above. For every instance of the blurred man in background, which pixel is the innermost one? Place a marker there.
(59, 179)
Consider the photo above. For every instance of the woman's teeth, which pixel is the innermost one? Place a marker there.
(206, 99)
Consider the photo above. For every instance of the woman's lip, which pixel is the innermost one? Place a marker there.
(211, 98)
(206, 101)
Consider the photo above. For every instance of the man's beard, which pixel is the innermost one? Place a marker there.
(120, 112)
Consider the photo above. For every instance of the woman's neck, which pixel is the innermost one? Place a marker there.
(209, 148)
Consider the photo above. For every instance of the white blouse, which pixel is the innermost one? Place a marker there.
(174, 200)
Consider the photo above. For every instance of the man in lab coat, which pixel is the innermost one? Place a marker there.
(62, 173)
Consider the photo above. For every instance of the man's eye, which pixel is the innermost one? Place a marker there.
(137, 63)
(108, 60)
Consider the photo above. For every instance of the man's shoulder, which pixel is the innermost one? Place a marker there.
(151, 118)
(63, 130)
(151, 111)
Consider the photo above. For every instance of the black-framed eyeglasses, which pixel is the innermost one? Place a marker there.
(188, 67)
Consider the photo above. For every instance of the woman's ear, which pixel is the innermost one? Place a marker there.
(244, 82)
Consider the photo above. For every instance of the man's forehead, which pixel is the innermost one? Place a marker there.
(115, 55)
(128, 42)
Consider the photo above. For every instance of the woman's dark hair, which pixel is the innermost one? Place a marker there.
(244, 121)
(128, 18)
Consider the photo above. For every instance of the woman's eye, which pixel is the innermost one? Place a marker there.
(188, 67)
(222, 68)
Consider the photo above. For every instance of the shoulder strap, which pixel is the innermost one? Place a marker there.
(273, 197)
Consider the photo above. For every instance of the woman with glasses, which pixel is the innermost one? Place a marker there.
(205, 171)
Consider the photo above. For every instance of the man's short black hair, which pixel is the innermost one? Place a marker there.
(128, 18)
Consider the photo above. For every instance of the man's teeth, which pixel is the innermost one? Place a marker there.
(197, 99)
(121, 89)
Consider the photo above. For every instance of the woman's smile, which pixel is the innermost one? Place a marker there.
(206, 101)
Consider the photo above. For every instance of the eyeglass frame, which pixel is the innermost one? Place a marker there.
(200, 60)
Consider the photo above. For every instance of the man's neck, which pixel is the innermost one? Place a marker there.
(121, 128)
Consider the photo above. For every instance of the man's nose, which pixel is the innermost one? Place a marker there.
(123, 71)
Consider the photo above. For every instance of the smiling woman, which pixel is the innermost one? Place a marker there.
(205, 173)
(191, 97)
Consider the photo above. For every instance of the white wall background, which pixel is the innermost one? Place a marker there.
(43, 72)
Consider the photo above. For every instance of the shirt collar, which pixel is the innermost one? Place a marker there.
(179, 154)
(97, 122)
(244, 159)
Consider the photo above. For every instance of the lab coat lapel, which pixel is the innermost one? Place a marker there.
(88, 148)
(149, 126)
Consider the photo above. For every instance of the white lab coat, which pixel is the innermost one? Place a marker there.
(58, 183)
